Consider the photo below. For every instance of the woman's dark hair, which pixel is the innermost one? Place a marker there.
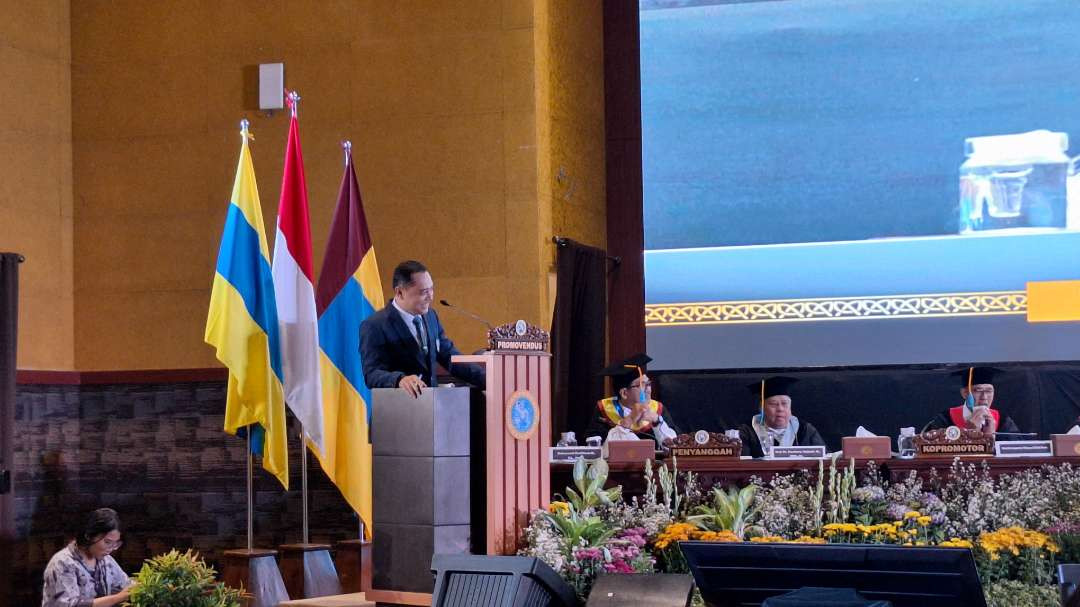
(98, 523)
(404, 271)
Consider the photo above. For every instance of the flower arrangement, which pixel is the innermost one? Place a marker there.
(1016, 525)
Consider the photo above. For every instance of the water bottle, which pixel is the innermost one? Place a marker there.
(905, 443)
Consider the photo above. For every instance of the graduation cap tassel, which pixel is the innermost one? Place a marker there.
(641, 388)
(970, 400)
(761, 414)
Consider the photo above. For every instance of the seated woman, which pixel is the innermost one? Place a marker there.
(975, 412)
(775, 425)
(632, 413)
(84, 574)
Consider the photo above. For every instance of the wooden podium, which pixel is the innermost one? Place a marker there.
(517, 467)
(454, 473)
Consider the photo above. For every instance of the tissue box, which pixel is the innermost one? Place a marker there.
(1066, 445)
(876, 448)
(628, 451)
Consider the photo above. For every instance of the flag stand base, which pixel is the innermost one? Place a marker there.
(308, 570)
(255, 570)
(354, 565)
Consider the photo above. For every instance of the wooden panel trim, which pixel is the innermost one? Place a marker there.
(398, 596)
(624, 193)
(26, 377)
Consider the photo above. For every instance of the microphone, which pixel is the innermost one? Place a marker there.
(465, 313)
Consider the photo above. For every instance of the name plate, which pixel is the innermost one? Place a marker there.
(1023, 448)
(518, 336)
(807, 452)
(953, 441)
(705, 444)
(571, 454)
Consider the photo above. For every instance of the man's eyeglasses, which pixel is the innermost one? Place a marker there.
(645, 386)
(982, 391)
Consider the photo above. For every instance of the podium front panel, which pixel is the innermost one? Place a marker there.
(518, 475)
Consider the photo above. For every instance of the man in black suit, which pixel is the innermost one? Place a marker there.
(401, 344)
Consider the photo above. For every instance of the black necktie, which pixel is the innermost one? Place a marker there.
(420, 334)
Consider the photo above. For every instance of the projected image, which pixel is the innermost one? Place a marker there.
(820, 160)
(1018, 181)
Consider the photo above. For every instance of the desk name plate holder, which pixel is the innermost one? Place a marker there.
(953, 441)
(571, 454)
(1024, 448)
(705, 444)
(796, 452)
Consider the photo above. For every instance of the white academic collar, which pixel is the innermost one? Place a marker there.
(762, 430)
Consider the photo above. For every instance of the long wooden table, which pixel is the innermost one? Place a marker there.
(739, 471)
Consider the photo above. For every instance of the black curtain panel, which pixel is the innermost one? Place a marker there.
(9, 318)
(1040, 397)
(577, 335)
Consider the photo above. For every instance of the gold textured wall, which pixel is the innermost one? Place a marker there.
(35, 175)
(570, 93)
(460, 115)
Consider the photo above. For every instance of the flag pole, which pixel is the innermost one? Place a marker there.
(303, 485)
(250, 493)
(347, 147)
(244, 124)
(294, 103)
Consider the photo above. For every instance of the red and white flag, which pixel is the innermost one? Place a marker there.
(295, 295)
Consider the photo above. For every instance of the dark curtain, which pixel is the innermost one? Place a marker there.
(577, 336)
(9, 317)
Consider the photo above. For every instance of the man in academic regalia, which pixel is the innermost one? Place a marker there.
(774, 424)
(975, 412)
(631, 413)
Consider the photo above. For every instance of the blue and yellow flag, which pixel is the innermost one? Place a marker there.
(348, 292)
(242, 324)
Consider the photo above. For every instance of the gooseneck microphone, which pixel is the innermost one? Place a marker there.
(465, 313)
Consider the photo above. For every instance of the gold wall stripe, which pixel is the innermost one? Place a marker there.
(935, 305)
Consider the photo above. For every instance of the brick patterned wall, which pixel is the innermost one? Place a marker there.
(157, 454)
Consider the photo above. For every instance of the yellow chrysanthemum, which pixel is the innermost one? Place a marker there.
(562, 508)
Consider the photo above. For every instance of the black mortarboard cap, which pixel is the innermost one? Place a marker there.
(623, 373)
(774, 386)
(979, 375)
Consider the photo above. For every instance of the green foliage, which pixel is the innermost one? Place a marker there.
(1070, 547)
(580, 530)
(590, 479)
(1011, 593)
(731, 510)
(179, 579)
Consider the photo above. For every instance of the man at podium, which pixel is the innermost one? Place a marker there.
(401, 344)
(975, 412)
(631, 413)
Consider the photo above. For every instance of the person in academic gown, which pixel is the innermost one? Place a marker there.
(775, 424)
(631, 413)
(976, 408)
